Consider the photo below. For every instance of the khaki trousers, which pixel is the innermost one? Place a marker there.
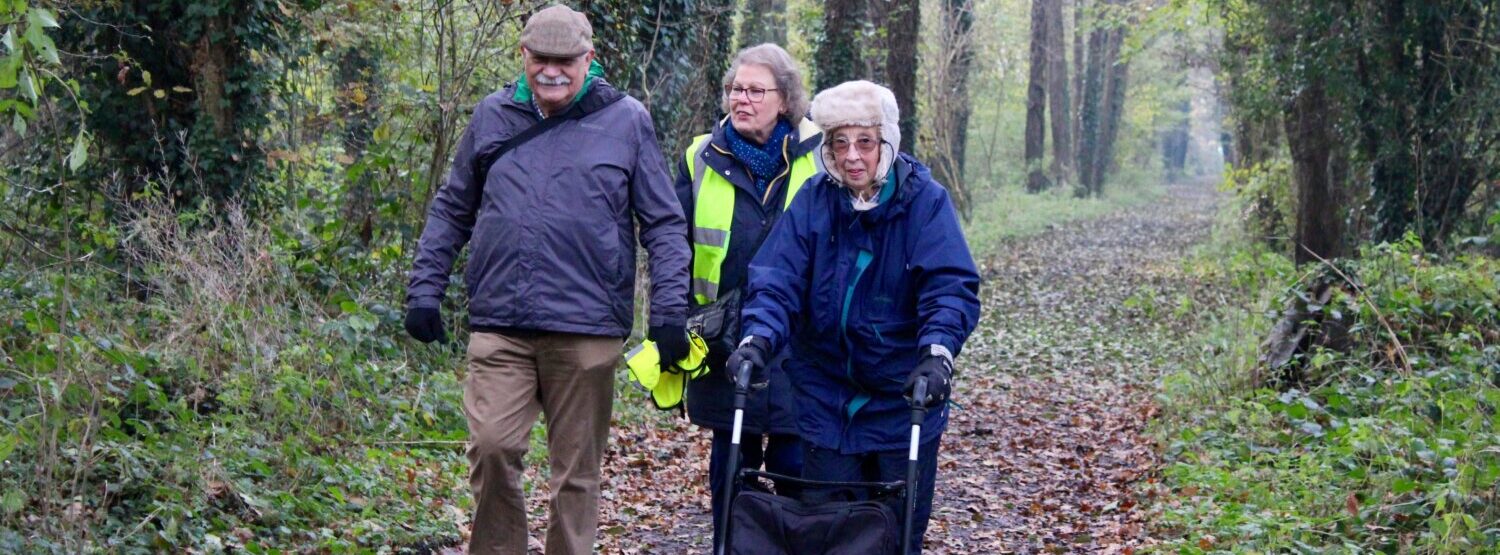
(570, 379)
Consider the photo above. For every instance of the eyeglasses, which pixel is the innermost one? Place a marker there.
(864, 145)
(753, 94)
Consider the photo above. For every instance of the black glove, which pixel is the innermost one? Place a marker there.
(756, 351)
(671, 343)
(939, 375)
(425, 324)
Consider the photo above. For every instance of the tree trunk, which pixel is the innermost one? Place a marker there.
(1090, 113)
(1310, 138)
(1036, 99)
(762, 21)
(1080, 56)
(210, 67)
(1057, 94)
(1115, 84)
(358, 98)
(1174, 141)
(839, 53)
(711, 58)
(951, 131)
(902, 22)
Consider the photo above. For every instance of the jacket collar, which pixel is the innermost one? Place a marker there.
(523, 89)
(596, 88)
(909, 176)
(805, 138)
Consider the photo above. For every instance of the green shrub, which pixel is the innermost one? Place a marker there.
(1264, 202)
(1389, 447)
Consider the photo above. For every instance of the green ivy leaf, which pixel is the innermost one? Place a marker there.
(28, 86)
(9, 40)
(44, 45)
(7, 445)
(42, 17)
(80, 153)
(18, 123)
(8, 70)
(1403, 485)
(12, 502)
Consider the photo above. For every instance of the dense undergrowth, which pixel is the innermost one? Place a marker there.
(1386, 441)
(222, 385)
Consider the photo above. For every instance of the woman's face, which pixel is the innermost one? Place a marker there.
(856, 151)
(754, 102)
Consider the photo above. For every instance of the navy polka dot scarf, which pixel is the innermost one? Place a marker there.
(764, 161)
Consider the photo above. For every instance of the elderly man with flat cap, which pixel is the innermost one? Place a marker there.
(547, 187)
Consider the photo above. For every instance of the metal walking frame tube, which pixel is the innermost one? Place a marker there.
(918, 416)
(741, 392)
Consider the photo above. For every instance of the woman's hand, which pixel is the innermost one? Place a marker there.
(938, 373)
(756, 351)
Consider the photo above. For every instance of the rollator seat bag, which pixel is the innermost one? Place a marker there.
(767, 524)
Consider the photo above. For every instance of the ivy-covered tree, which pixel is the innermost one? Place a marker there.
(839, 53)
(1412, 85)
(670, 55)
(762, 21)
(180, 93)
(902, 21)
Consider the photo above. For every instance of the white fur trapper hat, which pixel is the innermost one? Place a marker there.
(863, 104)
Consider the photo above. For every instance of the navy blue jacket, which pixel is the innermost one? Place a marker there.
(553, 222)
(859, 296)
(710, 398)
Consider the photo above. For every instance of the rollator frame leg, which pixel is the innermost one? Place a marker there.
(918, 402)
(741, 392)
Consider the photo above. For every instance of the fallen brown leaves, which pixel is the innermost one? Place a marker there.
(1048, 452)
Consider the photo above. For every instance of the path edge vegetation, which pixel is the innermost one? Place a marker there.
(1380, 436)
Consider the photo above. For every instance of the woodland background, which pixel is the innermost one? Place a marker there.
(208, 207)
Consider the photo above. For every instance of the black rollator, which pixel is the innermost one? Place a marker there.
(759, 522)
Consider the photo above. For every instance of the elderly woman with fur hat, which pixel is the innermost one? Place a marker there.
(867, 279)
(734, 184)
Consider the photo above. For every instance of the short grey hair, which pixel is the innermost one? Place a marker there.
(783, 69)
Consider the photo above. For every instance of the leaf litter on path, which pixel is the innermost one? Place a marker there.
(1046, 450)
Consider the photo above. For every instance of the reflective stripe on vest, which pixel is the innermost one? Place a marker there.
(713, 210)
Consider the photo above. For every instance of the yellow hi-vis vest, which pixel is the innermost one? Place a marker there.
(713, 207)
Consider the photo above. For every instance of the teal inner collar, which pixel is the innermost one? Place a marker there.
(523, 87)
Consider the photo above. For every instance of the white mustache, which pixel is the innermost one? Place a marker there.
(561, 80)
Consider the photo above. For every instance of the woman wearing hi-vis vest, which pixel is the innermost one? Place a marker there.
(733, 184)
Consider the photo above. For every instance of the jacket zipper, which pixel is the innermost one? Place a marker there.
(786, 168)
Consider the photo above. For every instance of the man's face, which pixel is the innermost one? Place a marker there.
(555, 81)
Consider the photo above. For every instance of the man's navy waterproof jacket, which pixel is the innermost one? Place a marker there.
(860, 296)
(553, 242)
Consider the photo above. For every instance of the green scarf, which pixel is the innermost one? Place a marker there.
(523, 89)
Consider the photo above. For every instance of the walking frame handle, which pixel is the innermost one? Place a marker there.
(742, 378)
(918, 399)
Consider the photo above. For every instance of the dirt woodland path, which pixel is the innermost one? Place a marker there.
(1046, 452)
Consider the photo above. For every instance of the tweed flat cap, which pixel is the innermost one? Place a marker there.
(558, 31)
